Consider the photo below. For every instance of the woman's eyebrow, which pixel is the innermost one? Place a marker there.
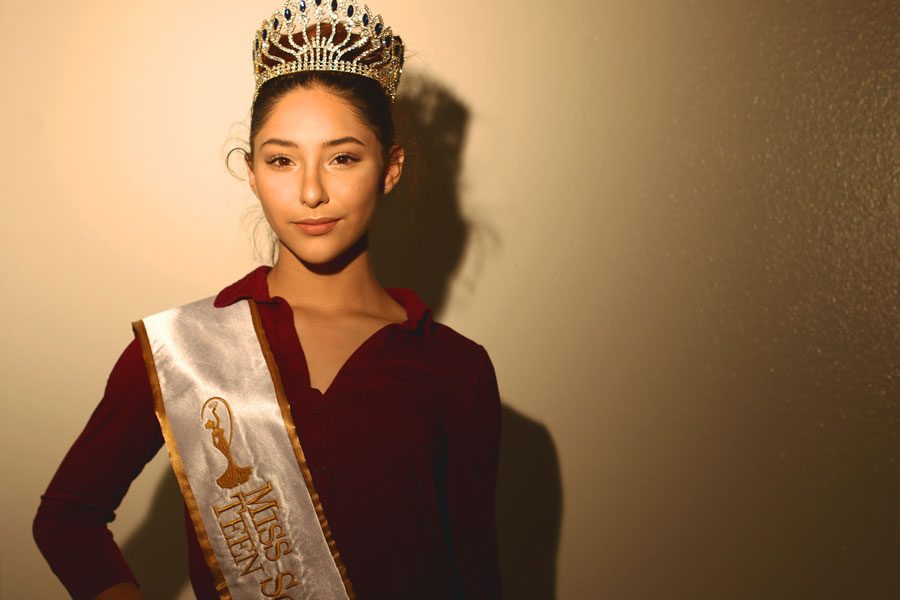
(278, 142)
(349, 139)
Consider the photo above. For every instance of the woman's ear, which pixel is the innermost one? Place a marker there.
(251, 176)
(396, 156)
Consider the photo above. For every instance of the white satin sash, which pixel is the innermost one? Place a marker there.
(234, 448)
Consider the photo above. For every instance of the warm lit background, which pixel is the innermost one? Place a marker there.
(673, 225)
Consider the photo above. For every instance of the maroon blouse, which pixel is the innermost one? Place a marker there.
(403, 449)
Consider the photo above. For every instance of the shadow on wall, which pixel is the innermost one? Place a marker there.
(420, 236)
(529, 508)
(418, 241)
(157, 551)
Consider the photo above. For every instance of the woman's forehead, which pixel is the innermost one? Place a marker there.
(314, 112)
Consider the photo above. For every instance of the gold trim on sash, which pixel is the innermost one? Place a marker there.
(178, 467)
(295, 443)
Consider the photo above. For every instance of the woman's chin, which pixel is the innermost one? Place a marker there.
(322, 255)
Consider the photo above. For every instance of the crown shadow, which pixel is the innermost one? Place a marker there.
(418, 240)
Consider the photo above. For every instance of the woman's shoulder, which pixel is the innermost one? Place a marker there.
(458, 352)
(222, 304)
(453, 340)
(442, 341)
(250, 286)
(469, 389)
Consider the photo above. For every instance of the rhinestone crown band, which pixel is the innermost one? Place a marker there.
(316, 36)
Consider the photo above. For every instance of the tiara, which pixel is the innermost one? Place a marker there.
(285, 43)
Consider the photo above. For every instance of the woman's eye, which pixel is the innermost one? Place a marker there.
(345, 159)
(279, 161)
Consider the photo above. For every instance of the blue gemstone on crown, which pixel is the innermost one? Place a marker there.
(275, 24)
(365, 18)
(378, 29)
(350, 11)
(334, 5)
(265, 34)
(302, 6)
(288, 14)
(318, 2)
(387, 40)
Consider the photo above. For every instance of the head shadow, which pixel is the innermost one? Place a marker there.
(419, 236)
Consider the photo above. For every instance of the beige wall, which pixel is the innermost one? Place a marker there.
(674, 226)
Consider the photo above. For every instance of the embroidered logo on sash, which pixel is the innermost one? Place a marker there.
(248, 518)
(233, 475)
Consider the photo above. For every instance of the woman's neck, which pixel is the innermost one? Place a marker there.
(350, 285)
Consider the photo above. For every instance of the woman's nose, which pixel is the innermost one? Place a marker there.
(312, 192)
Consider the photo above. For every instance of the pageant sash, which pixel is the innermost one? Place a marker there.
(234, 449)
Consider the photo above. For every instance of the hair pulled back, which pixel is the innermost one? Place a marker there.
(364, 95)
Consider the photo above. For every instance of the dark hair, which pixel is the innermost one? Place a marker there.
(364, 95)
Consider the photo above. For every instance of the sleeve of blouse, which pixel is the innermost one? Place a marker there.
(473, 448)
(120, 437)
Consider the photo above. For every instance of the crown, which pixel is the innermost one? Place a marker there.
(322, 36)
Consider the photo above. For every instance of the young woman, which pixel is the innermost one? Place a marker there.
(330, 438)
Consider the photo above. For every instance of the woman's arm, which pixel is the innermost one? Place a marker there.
(70, 527)
(472, 428)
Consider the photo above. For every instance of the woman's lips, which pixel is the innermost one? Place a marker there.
(317, 227)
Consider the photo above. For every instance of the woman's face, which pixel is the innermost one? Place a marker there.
(314, 159)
